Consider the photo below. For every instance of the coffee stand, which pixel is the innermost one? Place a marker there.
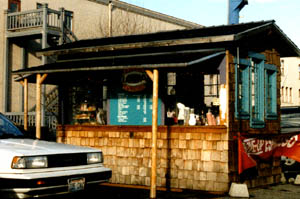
(166, 107)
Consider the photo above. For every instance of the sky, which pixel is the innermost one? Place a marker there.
(286, 13)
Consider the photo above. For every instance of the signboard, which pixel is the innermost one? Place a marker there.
(132, 108)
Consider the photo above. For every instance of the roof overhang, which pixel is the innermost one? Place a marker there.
(166, 50)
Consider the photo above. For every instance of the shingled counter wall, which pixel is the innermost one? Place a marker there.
(188, 157)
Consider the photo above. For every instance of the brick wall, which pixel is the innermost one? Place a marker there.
(187, 157)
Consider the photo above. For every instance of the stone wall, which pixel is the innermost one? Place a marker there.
(187, 158)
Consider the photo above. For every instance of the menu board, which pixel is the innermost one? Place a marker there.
(126, 108)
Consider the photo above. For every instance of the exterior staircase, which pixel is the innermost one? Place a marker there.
(32, 25)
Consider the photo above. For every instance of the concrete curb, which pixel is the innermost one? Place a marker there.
(239, 190)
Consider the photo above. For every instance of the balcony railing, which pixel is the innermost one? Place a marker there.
(18, 119)
(36, 18)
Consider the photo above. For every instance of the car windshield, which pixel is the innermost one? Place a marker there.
(8, 129)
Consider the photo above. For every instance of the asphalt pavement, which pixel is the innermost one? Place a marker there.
(280, 191)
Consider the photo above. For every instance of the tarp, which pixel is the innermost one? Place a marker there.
(252, 149)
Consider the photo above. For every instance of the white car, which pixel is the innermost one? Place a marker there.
(33, 168)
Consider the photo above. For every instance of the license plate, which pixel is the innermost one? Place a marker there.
(76, 184)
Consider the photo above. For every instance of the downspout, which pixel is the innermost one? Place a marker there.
(110, 7)
(5, 72)
(23, 66)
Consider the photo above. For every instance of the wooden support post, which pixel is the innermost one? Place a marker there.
(228, 90)
(38, 107)
(25, 104)
(39, 81)
(154, 134)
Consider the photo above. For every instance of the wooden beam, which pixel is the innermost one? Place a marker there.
(43, 77)
(102, 68)
(228, 89)
(154, 134)
(127, 46)
(21, 82)
(150, 74)
(137, 55)
(38, 118)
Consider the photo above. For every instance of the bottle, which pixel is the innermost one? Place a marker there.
(209, 117)
(192, 120)
(186, 115)
(180, 117)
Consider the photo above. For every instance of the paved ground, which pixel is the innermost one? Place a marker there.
(282, 191)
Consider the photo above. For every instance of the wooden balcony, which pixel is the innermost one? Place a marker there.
(36, 22)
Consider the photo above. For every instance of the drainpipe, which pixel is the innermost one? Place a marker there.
(5, 72)
(23, 66)
(110, 7)
(234, 8)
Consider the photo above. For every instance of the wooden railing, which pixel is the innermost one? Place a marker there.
(27, 19)
(18, 118)
(36, 18)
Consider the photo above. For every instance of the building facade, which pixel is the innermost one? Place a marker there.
(22, 33)
(290, 81)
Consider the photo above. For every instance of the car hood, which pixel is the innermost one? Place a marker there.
(37, 147)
